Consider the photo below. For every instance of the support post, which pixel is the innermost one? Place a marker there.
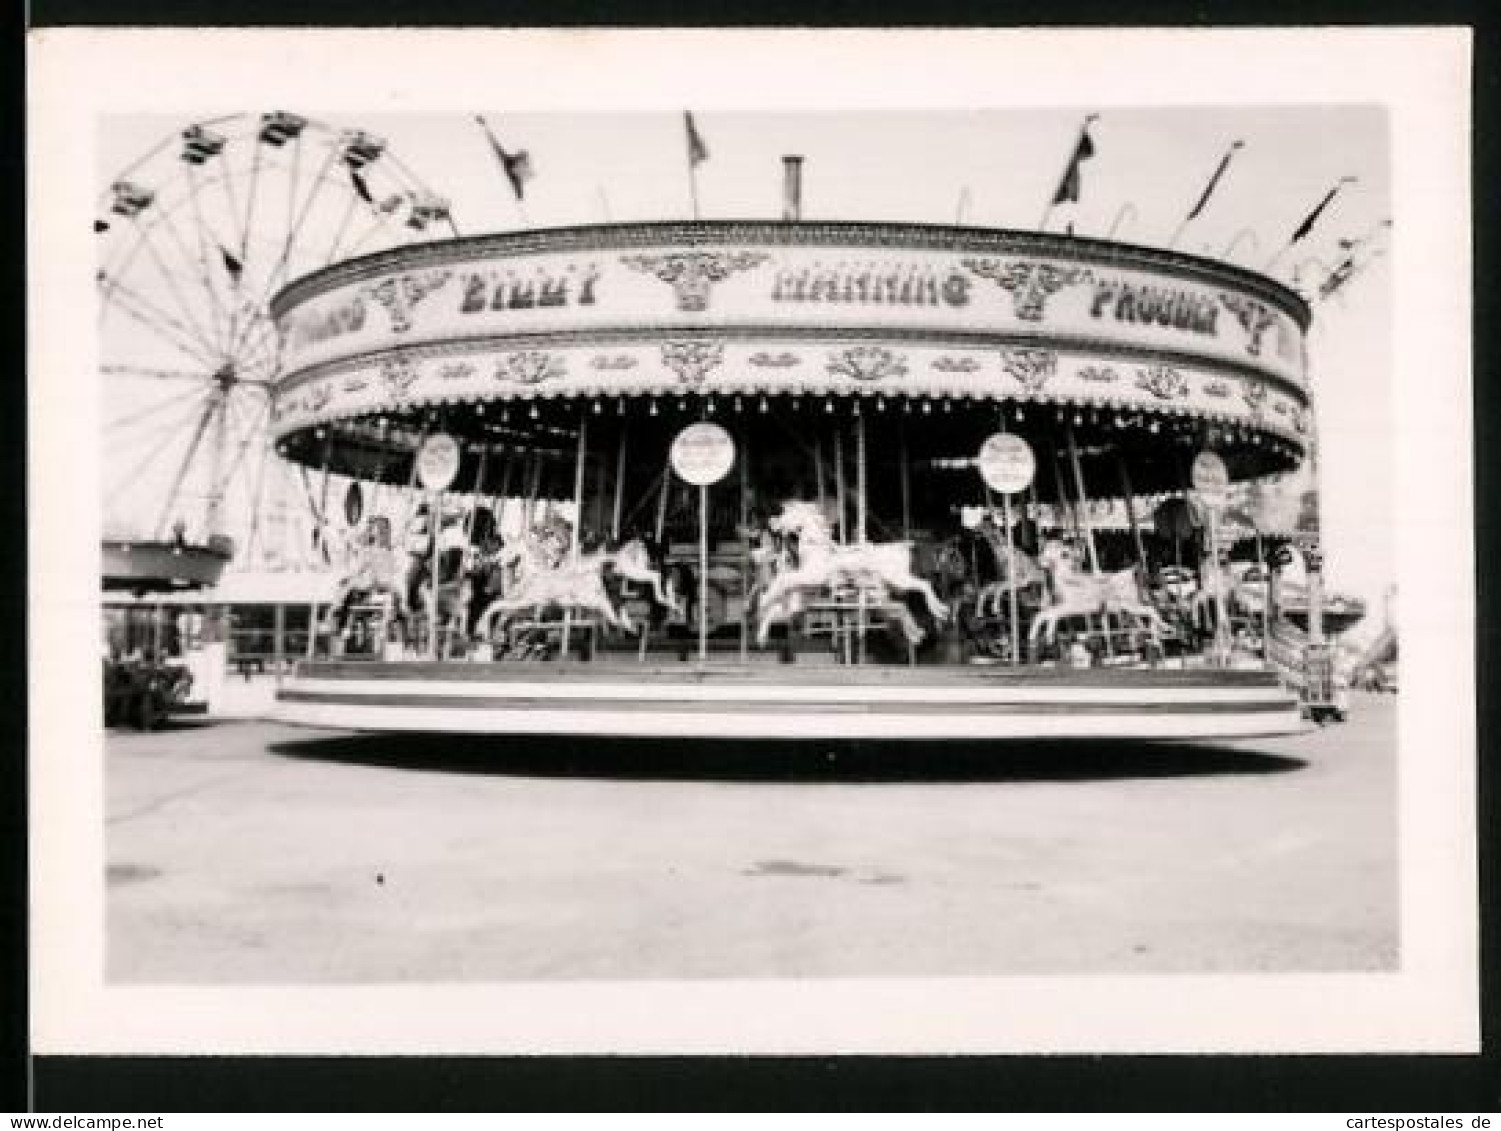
(619, 499)
(906, 481)
(578, 520)
(746, 566)
(703, 574)
(839, 500)
(1083, 518)
(1011, 572)
(434, 527)
(860, 521)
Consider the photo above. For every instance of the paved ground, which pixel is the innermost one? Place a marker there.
(254, 852)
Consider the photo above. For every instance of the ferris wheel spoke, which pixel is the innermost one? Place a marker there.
(135, 417)
(221, 318)
(248, 422)
(333, 248)
(278, 272)
(255, 176)
(123, 483)
(170, 278)
(168, 328)
(151, 371)
(205, 418)
(256, 495)
(204, 278)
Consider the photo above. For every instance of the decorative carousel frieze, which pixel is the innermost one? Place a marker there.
(1030, 283)
(783, 360)
(794, 283)
(530, 367)
(399, 295)
(692, 361)
(1163, 381)
(690, 273)
(867, 363)
(1032, 369)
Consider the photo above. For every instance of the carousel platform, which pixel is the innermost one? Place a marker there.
(782, 701)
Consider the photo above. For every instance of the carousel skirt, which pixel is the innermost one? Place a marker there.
(788, 701)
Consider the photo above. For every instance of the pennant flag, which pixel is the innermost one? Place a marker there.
(516, 166)
(1068, 187)
(1214, 180)
(1313, 217)
(231, 264)
(698, 152)
(360, 186)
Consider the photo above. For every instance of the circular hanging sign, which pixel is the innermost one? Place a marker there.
(438, 462)
(354, 505)
(1006, 463)
(1211, 479)
(702, 454)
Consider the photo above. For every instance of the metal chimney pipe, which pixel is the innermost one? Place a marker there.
(792, 187)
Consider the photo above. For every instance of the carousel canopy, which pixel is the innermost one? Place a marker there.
(500, 339)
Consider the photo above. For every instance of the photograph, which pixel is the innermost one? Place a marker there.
(735, 565)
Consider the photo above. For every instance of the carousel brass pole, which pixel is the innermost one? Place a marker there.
(845, 644)
(619, 483)
(660, 529)
(818, 470)
(435, 529)
(746, 534)
(1141, 552)
(839, 500)
(578, 520)
(1016, 643)
(1016, 628)
(906, 483)
(1083, 513)
(860, 519)
(703, 573)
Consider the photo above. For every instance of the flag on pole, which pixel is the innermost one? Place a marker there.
(360, 186)
(698, 152)
(1214, 180)
(231, 264)
(516, 166)
(1313, 217)
(1068, 187)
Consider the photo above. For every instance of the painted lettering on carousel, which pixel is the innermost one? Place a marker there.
(541, 288)
(309, 327)
(1154, 306)
(893, 285)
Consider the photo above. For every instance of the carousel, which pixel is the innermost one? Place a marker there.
(783, 479)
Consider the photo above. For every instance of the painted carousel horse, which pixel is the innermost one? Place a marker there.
(1028, 575)
(1079, 592)
(375, 574)
(448, 605)
(547, 577)
(633, 561)
(823, 564)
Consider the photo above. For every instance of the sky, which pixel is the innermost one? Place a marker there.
(990, 168)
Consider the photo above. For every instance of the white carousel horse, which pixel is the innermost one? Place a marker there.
(633, 562)
(823, 564)
(1028, 572)
(1077, 592)
(375, 573)
(545, 578)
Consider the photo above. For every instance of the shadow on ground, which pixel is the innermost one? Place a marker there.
(652, 759)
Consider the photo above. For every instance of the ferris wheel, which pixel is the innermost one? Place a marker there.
(195, 237)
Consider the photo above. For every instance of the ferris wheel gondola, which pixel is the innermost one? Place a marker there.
(195, 236)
